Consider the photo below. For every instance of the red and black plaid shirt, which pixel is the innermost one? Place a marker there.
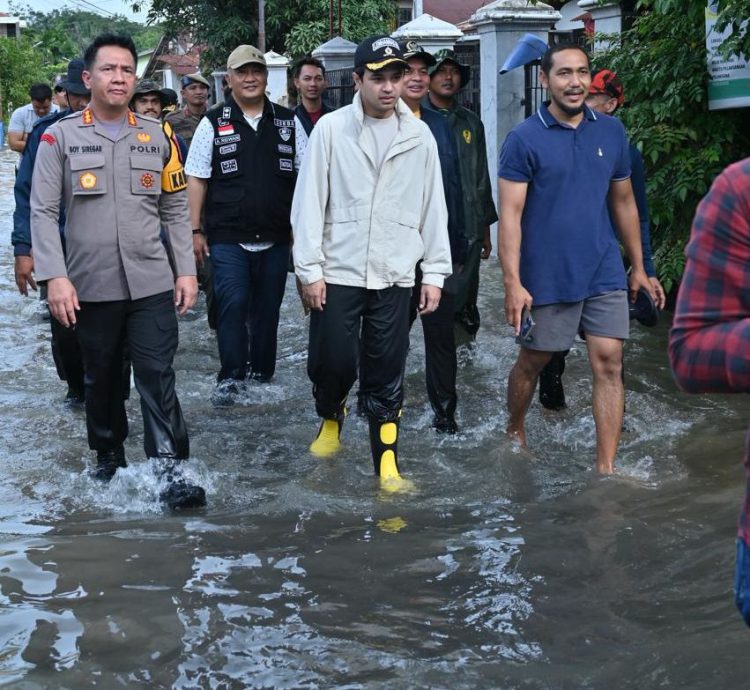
(709, 345)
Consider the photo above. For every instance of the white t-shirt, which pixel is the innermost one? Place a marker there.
(381, 132)
(24, 118)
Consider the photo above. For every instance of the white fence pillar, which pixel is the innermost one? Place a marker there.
(338, 53)
(500, 25)
(431, 33)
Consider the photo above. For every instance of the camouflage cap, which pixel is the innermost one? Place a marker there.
(448, 55)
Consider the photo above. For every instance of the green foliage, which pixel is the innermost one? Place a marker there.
(50, 41)
(293, 27)
(64, 34)
(20, 67)
(220, 25)
(304, 23)
(662, 64)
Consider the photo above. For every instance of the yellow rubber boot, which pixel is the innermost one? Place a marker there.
(383, 443)
(327, 442)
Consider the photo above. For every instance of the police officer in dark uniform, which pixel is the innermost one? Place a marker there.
(241, 173)
(65, 350)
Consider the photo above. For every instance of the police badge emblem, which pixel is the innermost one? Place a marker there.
(147, 180)
(285, 133)
(87, 180)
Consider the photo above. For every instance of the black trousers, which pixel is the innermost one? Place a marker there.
(380, 320)
(441, 364)
(67, 354)
(149, 328)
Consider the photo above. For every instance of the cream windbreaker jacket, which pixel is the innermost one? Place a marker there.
(354, 225)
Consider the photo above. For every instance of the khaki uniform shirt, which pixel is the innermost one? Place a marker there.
(115, 207)
(184, 123)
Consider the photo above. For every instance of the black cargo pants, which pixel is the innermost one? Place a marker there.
(149, 327)
(380, 320)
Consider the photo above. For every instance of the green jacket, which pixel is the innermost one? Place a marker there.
(479, 208)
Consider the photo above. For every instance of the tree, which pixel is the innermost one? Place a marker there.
(64, 34)
(293, 27)
(20, 67)
(661, 61)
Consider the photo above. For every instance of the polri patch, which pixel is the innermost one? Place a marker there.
(285, 164)
(229, 166)
(230, 148)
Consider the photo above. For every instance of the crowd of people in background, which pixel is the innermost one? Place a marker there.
(389, 201)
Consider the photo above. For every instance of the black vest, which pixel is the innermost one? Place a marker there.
(249, 196)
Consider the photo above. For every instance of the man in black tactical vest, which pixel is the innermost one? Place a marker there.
(242, 168)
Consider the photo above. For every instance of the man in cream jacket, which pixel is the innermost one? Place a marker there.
(369, 204)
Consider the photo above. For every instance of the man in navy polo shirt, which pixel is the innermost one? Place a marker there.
(561, 173)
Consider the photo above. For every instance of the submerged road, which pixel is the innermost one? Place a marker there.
(496, 570)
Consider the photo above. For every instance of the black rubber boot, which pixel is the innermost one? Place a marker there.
(74, 397)
(445, 424)
(551, 391)
(384, 446)
(107, 463)
(179, 494)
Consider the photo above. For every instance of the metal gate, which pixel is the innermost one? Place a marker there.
(340, 89)
(534, 94)
(468, 54)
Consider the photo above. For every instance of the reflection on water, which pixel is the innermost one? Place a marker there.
(497, 569)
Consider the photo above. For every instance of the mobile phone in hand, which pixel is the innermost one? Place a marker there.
(527, 325)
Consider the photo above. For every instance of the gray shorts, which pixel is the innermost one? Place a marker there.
(556, 325)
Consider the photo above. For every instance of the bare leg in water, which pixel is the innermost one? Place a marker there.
(522, 382)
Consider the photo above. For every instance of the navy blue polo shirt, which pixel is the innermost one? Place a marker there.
(569, 250)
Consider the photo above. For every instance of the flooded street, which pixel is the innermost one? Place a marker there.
(497, 569)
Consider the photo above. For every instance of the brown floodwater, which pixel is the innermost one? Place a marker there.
(497, 569)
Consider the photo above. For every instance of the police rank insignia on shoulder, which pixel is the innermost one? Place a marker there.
(87, 180)
(87, 117)
(131, 119)
(467, 136)
(143, 137)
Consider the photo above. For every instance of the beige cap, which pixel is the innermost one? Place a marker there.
(243, 55)
(195, 77)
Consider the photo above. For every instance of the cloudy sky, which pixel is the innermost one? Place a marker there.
(104, 7)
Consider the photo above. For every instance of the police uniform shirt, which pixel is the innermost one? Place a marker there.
(119, 191)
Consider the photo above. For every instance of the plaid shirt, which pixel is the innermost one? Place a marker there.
(709, 345)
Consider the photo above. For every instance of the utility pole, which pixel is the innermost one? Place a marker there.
(262, 26)
(417, 9)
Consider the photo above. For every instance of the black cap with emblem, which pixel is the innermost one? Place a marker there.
(376, 52)
(412, 49)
